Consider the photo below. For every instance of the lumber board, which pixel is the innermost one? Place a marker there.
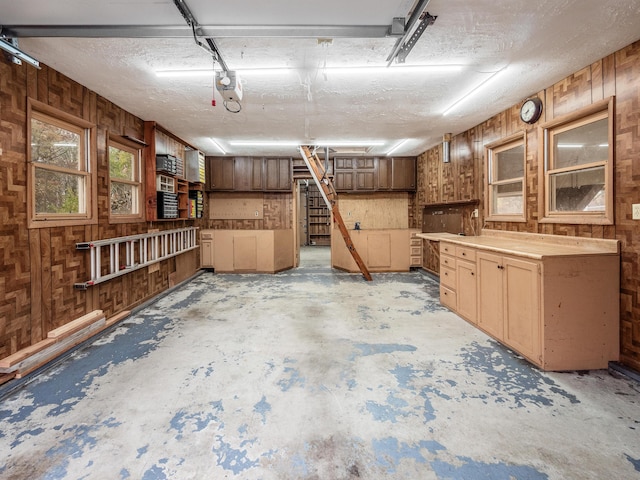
(117, 318)
(75, 325)
(8, 364)
(43, 357)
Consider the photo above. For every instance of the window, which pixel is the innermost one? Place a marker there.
(578, 167)
(125, 185)
(61, 179)
(505, 179)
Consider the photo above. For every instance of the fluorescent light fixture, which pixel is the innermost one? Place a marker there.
(218, 146)
(397, 146)
(357, 69)
(281, 143)
(65, 144)
(17, 53)
(605, 145)
(474, 90)
(570, 145)
(296, 143)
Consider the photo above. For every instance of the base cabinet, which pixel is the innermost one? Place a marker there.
(509, 302)
(556, 305)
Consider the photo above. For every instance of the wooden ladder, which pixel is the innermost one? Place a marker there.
(328, 192)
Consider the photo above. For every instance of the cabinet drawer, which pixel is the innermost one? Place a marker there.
(447, 248)
(466, 253)
(416, 251)
(447, 261)
(448, 297)
(415, 261)
(448, 277)
(415, 242)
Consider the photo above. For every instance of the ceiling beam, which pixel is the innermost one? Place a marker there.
(215, 31)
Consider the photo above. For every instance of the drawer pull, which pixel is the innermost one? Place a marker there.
(464, 254)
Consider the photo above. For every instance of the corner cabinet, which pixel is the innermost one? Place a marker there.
(554, 300)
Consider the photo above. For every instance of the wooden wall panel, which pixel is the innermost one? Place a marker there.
(617, 74)
(40, 266)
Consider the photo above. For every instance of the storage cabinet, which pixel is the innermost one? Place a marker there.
(553, 300)
(220, 173)
(367, 174)
(403, 173)
(415, 248)
(278, 174)
(169, 180)
(247, 174)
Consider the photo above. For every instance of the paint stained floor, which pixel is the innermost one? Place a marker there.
(313, 374)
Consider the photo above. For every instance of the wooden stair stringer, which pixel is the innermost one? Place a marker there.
(328, 192)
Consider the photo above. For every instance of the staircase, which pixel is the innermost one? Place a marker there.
(325, 185)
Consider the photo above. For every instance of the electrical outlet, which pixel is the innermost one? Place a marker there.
(475, 213)
(635, 214)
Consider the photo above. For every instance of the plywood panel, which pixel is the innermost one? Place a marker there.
(245, 253)
(231, 206)
(388, 210)
(379, 250)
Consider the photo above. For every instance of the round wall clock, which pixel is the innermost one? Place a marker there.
(531, 110)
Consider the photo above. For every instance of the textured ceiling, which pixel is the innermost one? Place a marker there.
(530, 43)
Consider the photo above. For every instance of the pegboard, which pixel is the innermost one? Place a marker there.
(245, 206)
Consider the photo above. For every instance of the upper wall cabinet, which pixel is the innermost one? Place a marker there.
(369, 174)
(248, 174)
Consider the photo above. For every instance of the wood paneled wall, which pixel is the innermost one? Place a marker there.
(40, 266)
(277, 215)
(617, 74)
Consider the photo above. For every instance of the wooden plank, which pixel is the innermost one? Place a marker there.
(76, 325)
(9, 364)
(45, 356)
(37, 327)
(118, 317)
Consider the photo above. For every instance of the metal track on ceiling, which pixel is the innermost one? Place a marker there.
(215, 31)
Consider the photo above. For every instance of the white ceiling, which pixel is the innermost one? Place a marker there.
(531, 43)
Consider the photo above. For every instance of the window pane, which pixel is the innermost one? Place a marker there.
(582, 145)
(580, 191)
(53, 145)
(124, 199)
(121, 164)
(509, 163)
(508, 199)
(57, 192)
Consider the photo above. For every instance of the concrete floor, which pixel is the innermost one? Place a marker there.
(313, 374)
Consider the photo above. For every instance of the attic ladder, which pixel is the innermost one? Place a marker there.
(139, 251)
(328, 192)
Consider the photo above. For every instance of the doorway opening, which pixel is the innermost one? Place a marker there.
(314, 226)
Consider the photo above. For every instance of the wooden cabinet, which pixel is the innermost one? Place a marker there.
(247, 174)
(403, 173)
(382, 250)
(384, 173)
(220, 173)
(415, 248)
(553, 300)
(277, 174)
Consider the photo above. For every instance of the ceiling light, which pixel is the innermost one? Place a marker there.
(348, 143)
(357, 69)
(474, 90)
(11, 46)
(281, 143)
(397, 146)
(218, 146)
(570, 145)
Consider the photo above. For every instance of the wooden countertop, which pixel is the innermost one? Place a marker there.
(535, 246)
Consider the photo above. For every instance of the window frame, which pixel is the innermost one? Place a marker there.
(497, 146)
(122, 143)
(595, 112)
(87, 130)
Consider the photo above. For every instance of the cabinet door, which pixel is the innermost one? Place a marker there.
(207, 253)
(220, 173)
(403, 173)
(490, 294)
(467, 289)
(384, 173)
(365, 180)
(247, 174)
(278, 174)
(522, 306)
(343, 181)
